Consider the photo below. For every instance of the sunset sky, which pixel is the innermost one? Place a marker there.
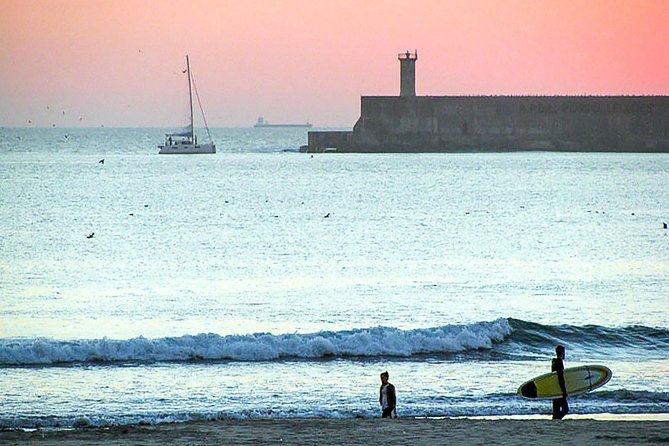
(118, 62)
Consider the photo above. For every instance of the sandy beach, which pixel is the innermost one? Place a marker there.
(362, 432)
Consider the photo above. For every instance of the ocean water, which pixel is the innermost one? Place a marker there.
(262, 283)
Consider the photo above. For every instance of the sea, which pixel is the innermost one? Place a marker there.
(263, 283)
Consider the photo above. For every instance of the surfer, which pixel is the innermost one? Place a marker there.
(387, 397)
(560, 405)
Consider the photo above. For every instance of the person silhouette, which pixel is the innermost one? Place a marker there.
(560, 405)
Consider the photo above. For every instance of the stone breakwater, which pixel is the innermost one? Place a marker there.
(503, 123)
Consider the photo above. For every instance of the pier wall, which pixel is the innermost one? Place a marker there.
(504, 123)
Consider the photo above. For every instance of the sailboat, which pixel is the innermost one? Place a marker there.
(185, 142)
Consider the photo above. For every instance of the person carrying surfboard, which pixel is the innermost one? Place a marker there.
(560, 405)
(387, 397)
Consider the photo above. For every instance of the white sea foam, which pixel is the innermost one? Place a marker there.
(378, 341)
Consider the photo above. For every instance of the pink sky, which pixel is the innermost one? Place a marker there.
(118, 62)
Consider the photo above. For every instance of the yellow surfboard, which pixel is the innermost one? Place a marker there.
(578, 380)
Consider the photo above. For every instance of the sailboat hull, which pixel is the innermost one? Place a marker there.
(186, 149)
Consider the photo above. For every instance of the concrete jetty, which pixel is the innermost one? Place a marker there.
(410, 123)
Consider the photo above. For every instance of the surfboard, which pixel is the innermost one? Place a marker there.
(578, 380)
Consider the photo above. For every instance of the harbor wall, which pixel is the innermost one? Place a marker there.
(503, 123)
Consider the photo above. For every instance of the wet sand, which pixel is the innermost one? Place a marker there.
(404, 431)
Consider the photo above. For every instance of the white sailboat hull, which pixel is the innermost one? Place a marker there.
(186, 149)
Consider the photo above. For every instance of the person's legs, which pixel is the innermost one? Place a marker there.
(560, 408)
(387, 412)
(556, 409)
(565, 407)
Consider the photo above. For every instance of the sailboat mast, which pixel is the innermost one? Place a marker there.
(190, 97)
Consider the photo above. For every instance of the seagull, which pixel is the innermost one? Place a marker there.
(326, 215)
(102, 161)
(90, 235)
(664, 225)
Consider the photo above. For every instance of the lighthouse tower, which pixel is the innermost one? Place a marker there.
(408, 73)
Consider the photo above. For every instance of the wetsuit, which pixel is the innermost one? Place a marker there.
(560, 405)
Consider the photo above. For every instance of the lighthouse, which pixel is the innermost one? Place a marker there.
(408, 73)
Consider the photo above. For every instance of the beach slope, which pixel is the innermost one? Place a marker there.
(361, 432)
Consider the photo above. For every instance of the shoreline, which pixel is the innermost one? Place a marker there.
(604, 429)
(592, 416)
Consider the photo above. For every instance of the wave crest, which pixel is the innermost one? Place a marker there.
(378, 341)
(512, 339)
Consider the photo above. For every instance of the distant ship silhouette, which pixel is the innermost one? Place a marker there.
(262, 123)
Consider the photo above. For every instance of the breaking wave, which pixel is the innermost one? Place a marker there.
(510, 338)
(370, 342)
